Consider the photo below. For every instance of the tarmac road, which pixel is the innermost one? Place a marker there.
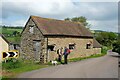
(102, 67)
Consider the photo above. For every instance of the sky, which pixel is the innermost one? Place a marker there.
(101, 15)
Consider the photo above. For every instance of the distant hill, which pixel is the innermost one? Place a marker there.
(97, 31)
(12, 26)
(11, 33)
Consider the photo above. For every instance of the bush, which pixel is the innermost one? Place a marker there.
(104, 50)
(11, 64)
(116, 47)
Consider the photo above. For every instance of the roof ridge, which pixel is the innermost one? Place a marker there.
(32, 16)
(54, 26)
(42, 17)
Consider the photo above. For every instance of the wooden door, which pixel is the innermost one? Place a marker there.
(37, 49)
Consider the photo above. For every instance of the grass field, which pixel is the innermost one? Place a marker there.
(12, 34)
(9, 30)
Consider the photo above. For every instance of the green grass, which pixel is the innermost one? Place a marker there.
(12, 69)
(103, 52)
(14, 39)
(9, 30)
(28, 68)
(82, 58)
(8, 33)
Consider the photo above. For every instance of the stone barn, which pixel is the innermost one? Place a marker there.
(42, 37)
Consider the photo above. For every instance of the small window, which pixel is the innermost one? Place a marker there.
(31, 28)
(71, 46)
(88, 46)
(51, 47)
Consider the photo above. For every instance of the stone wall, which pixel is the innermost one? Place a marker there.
(97, 50)
(27, 38)
(80, 47)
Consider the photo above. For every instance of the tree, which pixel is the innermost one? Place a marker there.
(15, 33)
(116, 47)
(106, 38)
(67, 19)
(119, 36)
(80, 19)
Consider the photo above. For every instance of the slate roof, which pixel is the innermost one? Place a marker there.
(53, 27)
(96, 44)
(59, 27)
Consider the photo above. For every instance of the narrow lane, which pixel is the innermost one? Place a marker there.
(102, 67)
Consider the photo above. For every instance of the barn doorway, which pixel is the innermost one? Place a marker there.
(37, 50)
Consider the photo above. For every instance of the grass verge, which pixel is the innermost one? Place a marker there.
(12, 69)
(103, 52)
(15, 67)
(82, 58)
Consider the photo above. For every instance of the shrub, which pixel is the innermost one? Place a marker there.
(116, 47)
(11, 64)
(104, 50)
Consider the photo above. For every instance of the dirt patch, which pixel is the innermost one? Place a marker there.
(6, 73)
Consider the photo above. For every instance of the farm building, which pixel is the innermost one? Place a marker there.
(4, 45)
(42, 37)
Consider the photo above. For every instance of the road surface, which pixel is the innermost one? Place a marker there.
(102, 67)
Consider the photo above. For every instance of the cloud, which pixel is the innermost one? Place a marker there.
(20, 23)
(50, 8)
(98, 11)
(61, 9)
(0, 22)
(100, 14)
(109, 25)
(96, 0)
(15, 23)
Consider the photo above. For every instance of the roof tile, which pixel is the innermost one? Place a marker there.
(60, 27)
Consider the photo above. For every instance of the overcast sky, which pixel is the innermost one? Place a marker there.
(101, 15)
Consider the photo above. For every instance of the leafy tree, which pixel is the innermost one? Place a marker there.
(67, 19)
(119, 36)
(116, 46)
(106, 38)
(80, 19)
(15, 33)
